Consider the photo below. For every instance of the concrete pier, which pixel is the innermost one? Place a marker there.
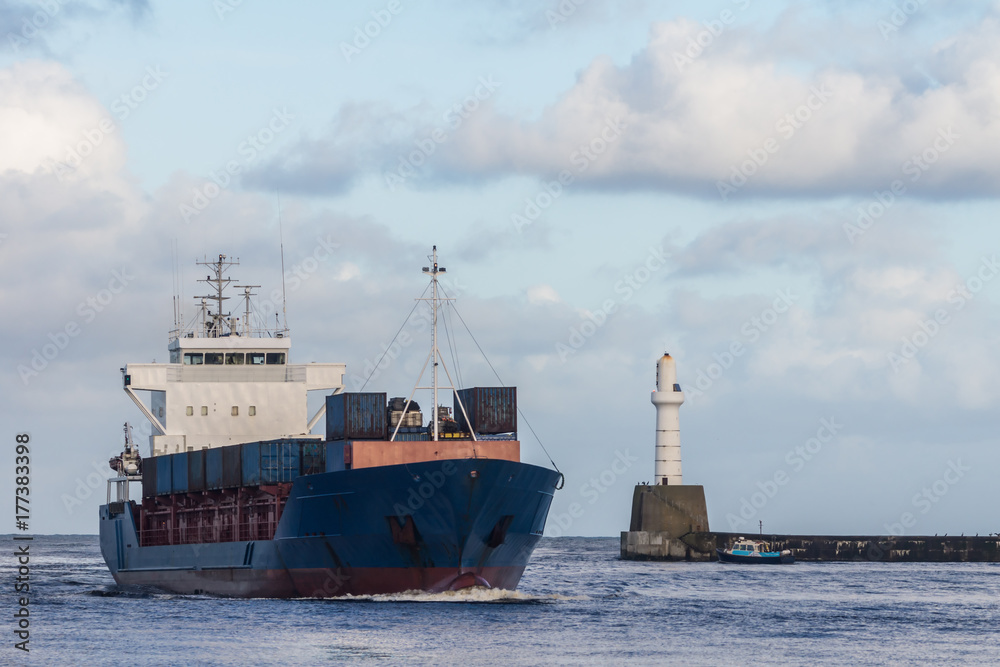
(661, 515)
(695, 546)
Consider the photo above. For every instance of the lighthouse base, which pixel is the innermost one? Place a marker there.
(668, 523)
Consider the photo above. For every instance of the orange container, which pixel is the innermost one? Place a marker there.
(374, 453)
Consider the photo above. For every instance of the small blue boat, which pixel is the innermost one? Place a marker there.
(753, 552)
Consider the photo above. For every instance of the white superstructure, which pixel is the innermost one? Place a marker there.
(228, 380)
(667, 398)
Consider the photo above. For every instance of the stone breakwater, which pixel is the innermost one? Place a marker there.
(694, 546)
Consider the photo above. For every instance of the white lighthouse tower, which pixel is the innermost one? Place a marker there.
(669, 518)
(667, 398)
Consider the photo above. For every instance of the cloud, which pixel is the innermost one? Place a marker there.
(715, 122)
(523, 19)
(889, 323)
(541, 294)
(48, 122)
(33, 26)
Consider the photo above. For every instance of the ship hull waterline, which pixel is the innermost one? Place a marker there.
(431, 526)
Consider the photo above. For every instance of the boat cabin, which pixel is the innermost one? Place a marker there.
(750, 546)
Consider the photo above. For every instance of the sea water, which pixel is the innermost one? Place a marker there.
(577, 604)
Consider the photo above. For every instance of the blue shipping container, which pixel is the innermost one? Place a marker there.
(163, 468)
(335, 456)
(250, 455)
(232, 466)
(179, 472)
(213, 468)
(196, 470)
(279, 461)
(356, 416)
(490, 409)
(412, 437)
(149, 478)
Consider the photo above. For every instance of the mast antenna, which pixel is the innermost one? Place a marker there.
(281, 245)
(175, 272)
(173, 278)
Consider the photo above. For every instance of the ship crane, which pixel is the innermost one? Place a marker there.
(128, 466)
(129, 462)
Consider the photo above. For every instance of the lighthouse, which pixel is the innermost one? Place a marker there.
(667, 398)
(669, 517)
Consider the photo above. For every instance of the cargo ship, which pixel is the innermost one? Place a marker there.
(239, 497)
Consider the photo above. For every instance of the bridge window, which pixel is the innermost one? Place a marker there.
(275, 358)
(175, 356)
(255, 358)
(214, 358)
(193, 358)
(234, 358)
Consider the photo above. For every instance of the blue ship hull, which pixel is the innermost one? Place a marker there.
(431, 526)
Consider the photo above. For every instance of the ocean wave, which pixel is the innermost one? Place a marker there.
(474, 594)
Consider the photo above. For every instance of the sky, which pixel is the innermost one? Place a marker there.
(796, 200)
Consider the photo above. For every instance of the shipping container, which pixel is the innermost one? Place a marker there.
(149, 478)
(369, 454)
(250, 455)
(196, 470)
(490, 409)
(213, 469)
(279, 461)
(356, 416)
(412, 437)
(179, 472)
(313, 457)
(163, 469)
(232, 466)
(335, 455)
(488, 437)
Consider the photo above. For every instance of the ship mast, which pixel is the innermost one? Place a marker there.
(434, 338)
(220, 282)
(435, 354)
(247, 293)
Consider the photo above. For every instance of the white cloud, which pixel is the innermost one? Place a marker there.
(542, 294)
(347, 271)
(47, 117)
(691, 122)
(688, 124)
